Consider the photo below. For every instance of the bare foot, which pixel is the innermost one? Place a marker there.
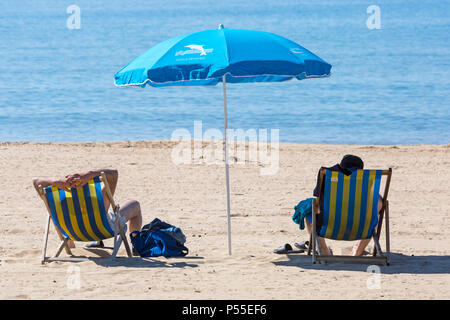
(71, 244)
(328, 251)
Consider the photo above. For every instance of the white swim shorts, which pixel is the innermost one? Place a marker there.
(115, 224)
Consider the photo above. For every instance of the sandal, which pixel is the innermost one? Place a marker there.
(286, 249)
(95, 244)
(302, 245)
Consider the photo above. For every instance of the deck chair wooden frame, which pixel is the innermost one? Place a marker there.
(378, 257)
(118, 237)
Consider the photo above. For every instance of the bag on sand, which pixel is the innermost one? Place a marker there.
(159, 238)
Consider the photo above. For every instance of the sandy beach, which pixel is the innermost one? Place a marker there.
(192, 197)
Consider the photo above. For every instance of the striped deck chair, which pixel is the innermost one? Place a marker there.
(80, 215)
(350, 213)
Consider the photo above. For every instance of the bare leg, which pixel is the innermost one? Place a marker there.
(112, 178)
(358, 249)
(323, 244)
(131, 210)
(308, 226)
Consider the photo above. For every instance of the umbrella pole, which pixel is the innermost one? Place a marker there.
(227, 177)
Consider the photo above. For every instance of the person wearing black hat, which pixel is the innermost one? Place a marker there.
(347, 166)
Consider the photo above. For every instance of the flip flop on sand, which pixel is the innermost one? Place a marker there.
(302, 245)
(286, 249)
(95, 244)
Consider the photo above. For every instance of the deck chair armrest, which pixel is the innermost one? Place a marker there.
(315, 205)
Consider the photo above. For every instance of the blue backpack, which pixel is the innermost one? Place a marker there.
(159, 238)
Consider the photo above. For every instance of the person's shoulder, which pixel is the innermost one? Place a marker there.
(336, 167)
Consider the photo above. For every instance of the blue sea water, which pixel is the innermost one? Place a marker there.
(388, 85)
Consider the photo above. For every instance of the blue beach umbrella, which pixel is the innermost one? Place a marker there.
(222, 55)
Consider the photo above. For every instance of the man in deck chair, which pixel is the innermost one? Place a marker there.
(130, 210)
(348, 164)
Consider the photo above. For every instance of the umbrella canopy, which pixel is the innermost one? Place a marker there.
(222, 55)
(203, 58)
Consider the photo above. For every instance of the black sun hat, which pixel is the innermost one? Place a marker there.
(351, 163)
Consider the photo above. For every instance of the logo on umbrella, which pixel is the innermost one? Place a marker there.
(296, 50)
(198, 47)
(194, 48)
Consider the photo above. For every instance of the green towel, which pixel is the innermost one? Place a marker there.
(302, 210)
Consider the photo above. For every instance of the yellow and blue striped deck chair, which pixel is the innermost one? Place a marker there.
(350, 212)
(80, 215)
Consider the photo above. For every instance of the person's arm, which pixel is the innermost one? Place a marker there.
(45, 182)
(78, 180)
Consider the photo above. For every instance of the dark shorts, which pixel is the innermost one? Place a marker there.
(319, 221)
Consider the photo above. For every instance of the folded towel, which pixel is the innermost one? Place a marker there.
(302, 210)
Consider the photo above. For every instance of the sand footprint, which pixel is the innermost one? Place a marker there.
(21, 297)
(27, 253)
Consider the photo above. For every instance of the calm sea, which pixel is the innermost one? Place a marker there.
(388, 85)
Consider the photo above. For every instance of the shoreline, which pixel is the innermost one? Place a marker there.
(161, 141)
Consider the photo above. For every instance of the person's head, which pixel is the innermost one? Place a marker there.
(351, 163)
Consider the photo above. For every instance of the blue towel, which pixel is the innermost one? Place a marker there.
(302, 210)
